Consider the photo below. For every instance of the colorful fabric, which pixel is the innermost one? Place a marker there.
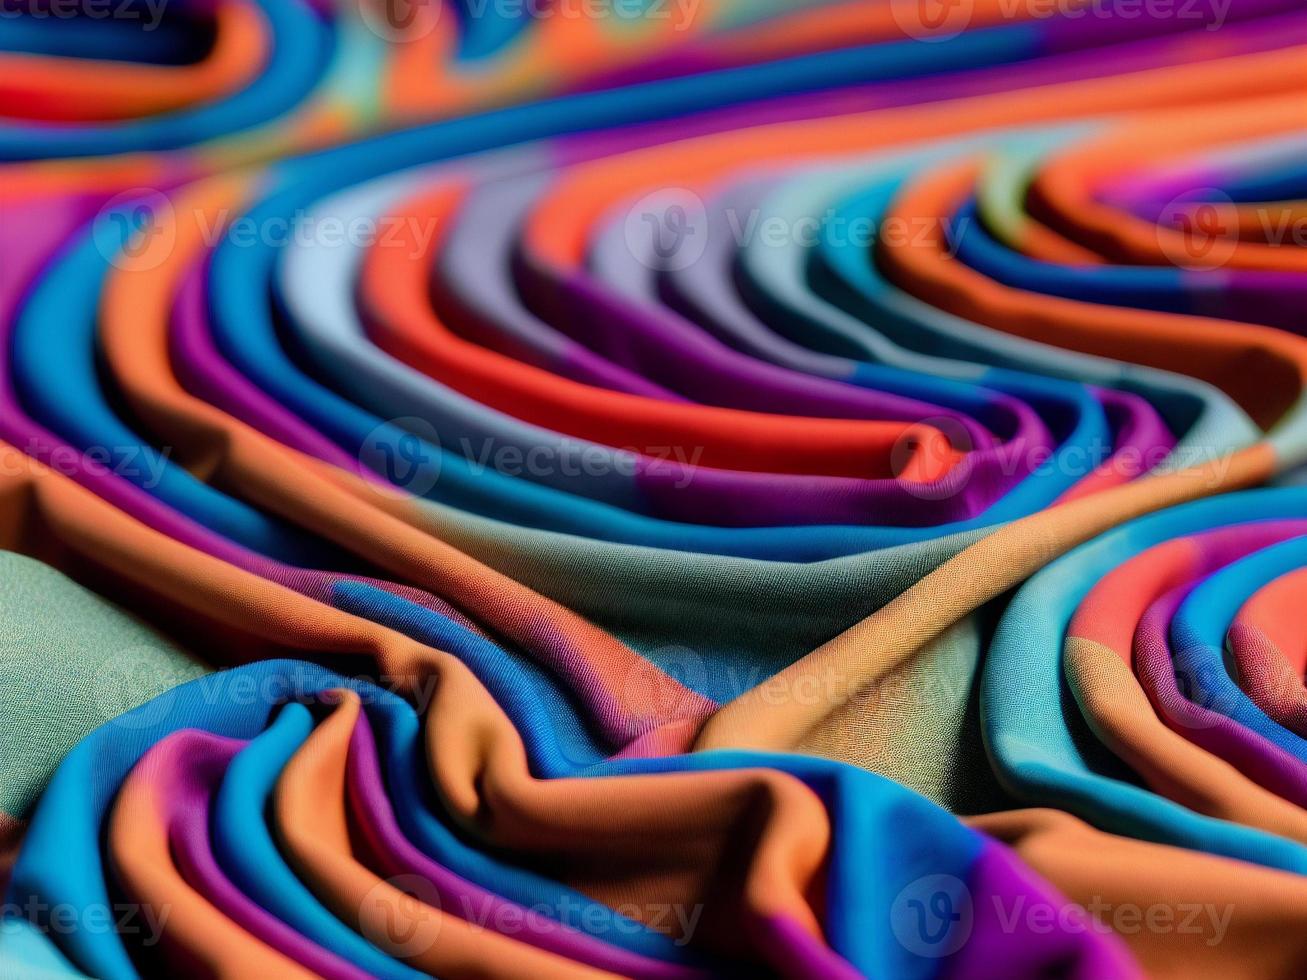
(653, 489)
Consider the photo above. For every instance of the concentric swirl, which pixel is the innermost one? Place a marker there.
(659, 489)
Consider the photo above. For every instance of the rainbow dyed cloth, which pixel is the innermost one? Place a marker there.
(653, 488)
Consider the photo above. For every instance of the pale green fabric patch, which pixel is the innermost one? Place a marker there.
(69, 661)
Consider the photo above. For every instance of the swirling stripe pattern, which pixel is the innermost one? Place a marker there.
(653, 488)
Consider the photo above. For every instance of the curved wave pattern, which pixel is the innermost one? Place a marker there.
(661, 489)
